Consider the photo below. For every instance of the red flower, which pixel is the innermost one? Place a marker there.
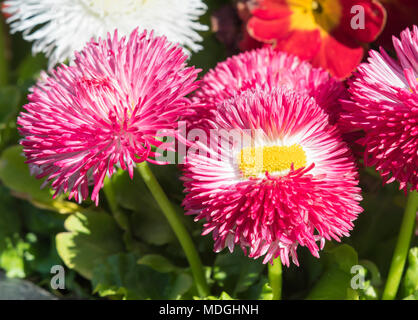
(320, 31)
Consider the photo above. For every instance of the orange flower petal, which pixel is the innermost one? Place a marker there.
(270, 31)
(339, 54)
(304, 44)
(271, 9)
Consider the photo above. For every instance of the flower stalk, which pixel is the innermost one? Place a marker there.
(402, 247)
(120, 218)
(177, 226)
(275, 278)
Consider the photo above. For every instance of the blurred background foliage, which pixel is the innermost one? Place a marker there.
(135, 255)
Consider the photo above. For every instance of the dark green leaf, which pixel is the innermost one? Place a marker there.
(334, 283)
(235, 272)
(30, 68)
(260, 291)
(413, 296)
(15, 175)
(223, 296)
(157, 262)
(121, 275)
(148, 222)
(91, 238)
(9, 103)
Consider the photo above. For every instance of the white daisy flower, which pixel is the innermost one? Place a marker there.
(58, 28)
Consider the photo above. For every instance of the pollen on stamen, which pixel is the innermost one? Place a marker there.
(254, 161)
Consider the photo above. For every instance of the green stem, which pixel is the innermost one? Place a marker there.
(4, 71)
(275, 278)
(402, 247)
(177, 226)
(120, 217)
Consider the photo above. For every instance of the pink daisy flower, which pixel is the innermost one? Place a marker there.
(105, 110)
(385, 108)
(288, 180)
(268, 68)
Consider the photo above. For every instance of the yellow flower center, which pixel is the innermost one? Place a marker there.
(254, 161)
(324, 15)
(316, 6)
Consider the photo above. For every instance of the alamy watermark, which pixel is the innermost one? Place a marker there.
(358, 21)
(58, 280)
(358, 280)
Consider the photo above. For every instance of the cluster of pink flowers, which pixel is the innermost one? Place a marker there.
(112, 107)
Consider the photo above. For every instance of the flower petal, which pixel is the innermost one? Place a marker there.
(374, 19)
(349, 52)
(302, 43)
(269, 31)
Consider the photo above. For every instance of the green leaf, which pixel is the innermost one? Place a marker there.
(376, 230)
(15, 175)
(334, 283)
(169, 177)
(40, 221)
(10, 221)
(9, 103)
(371, 286)
(223, 296)
(413, 296)
(369, 289)
(12, 247)
(410, 280)
(148, 222)
(266, 292)
(344, 256)
(369, 292)
(158, 263)
(91, 238)
(12, 256)
(152, 227)
(15, 253)
(22, 254)
(30, 68)
(235, 272)
(44, 253)
(260, 291)
(120, 275)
